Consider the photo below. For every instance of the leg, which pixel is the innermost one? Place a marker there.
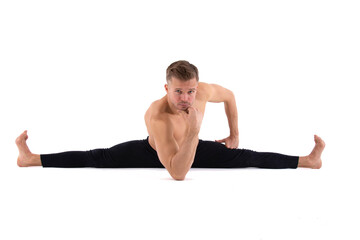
(132, 154)
(27, 158)
(215, 155)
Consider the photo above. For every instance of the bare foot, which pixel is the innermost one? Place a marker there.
(315, 156)
(25, 156)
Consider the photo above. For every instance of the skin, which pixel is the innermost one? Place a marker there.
(173, 123)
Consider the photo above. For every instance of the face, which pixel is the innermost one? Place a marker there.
(181, 94)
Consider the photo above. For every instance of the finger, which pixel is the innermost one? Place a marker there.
(183, 113)
(191, 108)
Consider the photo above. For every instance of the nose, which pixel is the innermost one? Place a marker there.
(184, 97)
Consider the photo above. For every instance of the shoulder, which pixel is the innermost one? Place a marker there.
(156, 118)
(155, 110)
(207, 91)
(155, 105)
(202, 86)
(214, 92)
(204, 91)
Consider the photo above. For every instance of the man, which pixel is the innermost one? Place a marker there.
(173, 123)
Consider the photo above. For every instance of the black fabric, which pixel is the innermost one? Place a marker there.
(139, 154)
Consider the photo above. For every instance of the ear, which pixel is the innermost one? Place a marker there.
(166, 88)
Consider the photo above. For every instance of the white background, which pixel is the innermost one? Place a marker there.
(80, 75)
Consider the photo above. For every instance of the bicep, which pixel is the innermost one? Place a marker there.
(166, 146)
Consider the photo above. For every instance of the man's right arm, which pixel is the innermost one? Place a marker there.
(176, 159)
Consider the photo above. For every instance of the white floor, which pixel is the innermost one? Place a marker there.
(210, 204)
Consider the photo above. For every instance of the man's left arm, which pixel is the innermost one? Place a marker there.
(217, 93)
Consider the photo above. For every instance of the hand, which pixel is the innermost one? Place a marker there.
(230, 142)
(193, 118)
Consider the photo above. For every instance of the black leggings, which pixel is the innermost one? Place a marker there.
(139, 154)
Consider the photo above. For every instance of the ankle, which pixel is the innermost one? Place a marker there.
(35, 160)
(304, 161)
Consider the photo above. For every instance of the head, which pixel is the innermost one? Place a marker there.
(182, 80)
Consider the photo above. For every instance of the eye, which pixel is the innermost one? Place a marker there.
(177, 91)
(191, 91)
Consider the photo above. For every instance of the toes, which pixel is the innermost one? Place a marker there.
(22, 137)
(319, 142)
(317, 139)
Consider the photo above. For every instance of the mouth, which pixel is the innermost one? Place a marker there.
(184, 105)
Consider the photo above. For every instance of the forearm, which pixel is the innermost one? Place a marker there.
(232, 115)
(184, 158)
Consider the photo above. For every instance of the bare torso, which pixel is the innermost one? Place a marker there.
(160, 110)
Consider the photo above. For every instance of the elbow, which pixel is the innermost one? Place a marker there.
(178, 177)
(175, 173)
(231, 96)
(230, 101)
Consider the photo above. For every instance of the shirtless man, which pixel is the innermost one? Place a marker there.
(173, 123)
